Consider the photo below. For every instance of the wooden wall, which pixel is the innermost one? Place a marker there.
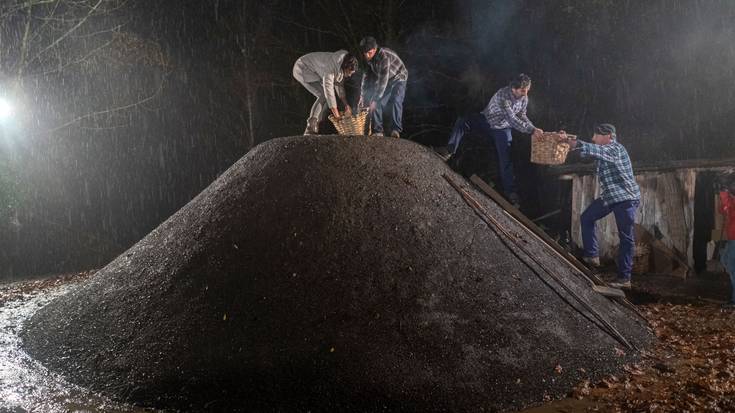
(667, 201)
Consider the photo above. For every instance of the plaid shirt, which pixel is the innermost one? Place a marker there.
(385, 66)
(614, 171)
(507, 111)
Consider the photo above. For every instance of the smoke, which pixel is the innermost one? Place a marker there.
(492, 24)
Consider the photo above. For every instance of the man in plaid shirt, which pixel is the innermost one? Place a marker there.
(383, 86)
(619, 194)
(727, 254)
(506, 110)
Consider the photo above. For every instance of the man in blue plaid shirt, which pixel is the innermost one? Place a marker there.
(505, 111)
(619, 194)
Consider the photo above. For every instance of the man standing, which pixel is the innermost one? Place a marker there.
(727, 254)
(506, 110)
(320, 73)
(383, 86)
(619, 194)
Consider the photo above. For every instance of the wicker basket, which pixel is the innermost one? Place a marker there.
(350, 125)
(549, 148)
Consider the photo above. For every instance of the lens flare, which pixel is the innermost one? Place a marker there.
(6, 109)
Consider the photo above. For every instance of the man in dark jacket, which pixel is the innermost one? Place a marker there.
(383, 86)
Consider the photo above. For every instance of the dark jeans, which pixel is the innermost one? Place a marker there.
(625, 221)
(727, 258)
(501, 139)
(392, 100)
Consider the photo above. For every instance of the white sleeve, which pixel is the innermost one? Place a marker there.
(329, 90)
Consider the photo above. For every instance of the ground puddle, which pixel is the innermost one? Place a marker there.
(27, 386)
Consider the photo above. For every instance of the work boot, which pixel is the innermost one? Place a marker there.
(514, 199)
(443, 151)
(621, 283)
(453, 162)
(445, 157)
(312, 126)
(593, 262)
(395, 134)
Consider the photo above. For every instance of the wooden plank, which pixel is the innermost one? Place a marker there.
(698, 164)
(609, 291)
(547, 215)
(564, 254)
(509, 237)
(667, 202)
(533, 228)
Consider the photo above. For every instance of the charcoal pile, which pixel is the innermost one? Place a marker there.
(334, 273)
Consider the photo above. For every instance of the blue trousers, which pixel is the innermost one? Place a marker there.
(501, 139)
(392, 100)
(624, 219)
(727, 258)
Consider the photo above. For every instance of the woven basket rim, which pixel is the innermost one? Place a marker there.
(350, 125)
(548, 149)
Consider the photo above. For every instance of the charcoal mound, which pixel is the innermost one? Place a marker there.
(333, 274)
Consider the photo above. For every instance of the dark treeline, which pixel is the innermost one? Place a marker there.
(125, 109)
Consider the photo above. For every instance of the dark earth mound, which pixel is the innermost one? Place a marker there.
(331, 274)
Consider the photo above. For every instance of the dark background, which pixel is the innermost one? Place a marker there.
(126, 109)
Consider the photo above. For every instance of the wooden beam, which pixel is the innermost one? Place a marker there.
(639, 167)
(534, 229)
(547, 215)
(597, 284)
(609, 291)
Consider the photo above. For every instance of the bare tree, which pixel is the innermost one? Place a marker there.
(54, 54)
(44, 41)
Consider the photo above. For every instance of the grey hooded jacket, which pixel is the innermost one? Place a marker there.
(324, 67)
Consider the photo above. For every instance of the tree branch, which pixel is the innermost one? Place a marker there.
(81, 59)
(70, 31)
(110, 110)
(297, 24)
(46, 22)
(25, 45)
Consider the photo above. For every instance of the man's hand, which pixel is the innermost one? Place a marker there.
(572, 142)
(537, 132)
(335, 113)
(372, 106)
(348, 110)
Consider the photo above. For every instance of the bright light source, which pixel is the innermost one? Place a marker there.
(6, 110)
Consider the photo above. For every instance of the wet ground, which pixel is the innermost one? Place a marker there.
(25, 385)
(691, 368)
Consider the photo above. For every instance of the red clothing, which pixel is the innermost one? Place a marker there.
(727, 207)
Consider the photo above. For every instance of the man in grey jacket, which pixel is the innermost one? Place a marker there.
(321, 73)
(383, 86)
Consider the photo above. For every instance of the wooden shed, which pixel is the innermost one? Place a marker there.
(677, 211)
